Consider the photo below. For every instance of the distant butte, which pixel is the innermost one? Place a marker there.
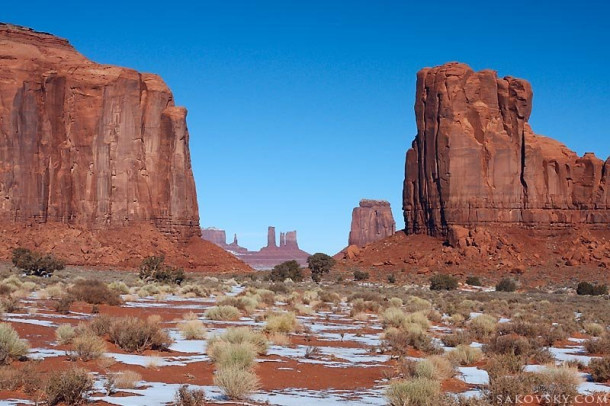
(268, 256)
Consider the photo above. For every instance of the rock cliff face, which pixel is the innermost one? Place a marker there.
(372, 220)
(90, 145)
(476, 162)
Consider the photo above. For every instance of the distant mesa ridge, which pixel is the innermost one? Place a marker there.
(267, 257)
(475, 161)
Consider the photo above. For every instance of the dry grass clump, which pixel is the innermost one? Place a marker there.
(70, 387)
(483, 326)
(360, 305)
(285, 322)
(279, 339)
(27, 378)
(127, 379)
(399, 340)
(239, 335)
(189, 397)
(434, 367)
(225, 354)
(600, 369)
(225, 313)
(245, 303)
(465, 355)
(93, 291)
(599, 345)
(594, 329)
(133, 334)
(236, 383)
(192, 329)
(416, 304)
(11, 346)
(456, 338)
(234, 353)
(558, 382)
(87, 346)
(393, 317)
(65, 333)
(415, 392)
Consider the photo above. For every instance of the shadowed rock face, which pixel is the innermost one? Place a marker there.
(92, 145)
(372, 220)
(475, 160)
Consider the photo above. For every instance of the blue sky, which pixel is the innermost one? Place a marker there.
(298, 109)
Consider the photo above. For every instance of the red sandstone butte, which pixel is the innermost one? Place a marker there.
(90, 146)
(372, 220)
(476, 162)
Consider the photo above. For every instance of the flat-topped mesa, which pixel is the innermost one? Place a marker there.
(371, 221)
(475, 160)
(91, 145)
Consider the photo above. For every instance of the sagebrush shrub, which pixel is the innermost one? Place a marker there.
(93, 291)
(133, 334)
(11, 346)
(70, 387)
(600, 369)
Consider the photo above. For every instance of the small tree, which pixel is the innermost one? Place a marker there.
(506, 285)
(285, 270)
(34, 263)
(320, 264)
(360, 275)
(154, 269)
(443, 282)
(586, 288)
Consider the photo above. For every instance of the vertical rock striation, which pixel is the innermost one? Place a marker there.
(90, 145)
(372, 220)
(475, 160)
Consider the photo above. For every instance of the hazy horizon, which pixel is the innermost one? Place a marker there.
(297, 110)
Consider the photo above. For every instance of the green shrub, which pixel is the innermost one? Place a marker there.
(361, 275)
(443, 282)
(154, 269)
(93, 291)
(416, 392)
(319, 264)
(70, 387)
(586, 288)
(11, 346)
(236, 383)
(287, 270)
(136, 335)
(226, 313)
(391, 278)
(600, 369)
(473, 281)
(34, 263)
(506, 285)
